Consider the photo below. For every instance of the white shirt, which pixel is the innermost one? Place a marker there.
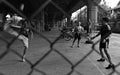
(17, 18)
(78, 29)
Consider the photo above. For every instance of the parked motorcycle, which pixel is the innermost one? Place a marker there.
(67, 35)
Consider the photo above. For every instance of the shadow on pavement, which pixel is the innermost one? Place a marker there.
(2, 74)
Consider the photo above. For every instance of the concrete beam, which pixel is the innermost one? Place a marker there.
(59, 8)
(40, 8)
(81, 3)
(13, 7)
(77, 6)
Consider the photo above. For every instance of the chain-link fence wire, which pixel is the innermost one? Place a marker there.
(115, 69)
(33, 65)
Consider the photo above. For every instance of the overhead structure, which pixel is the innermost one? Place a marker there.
(50, 9)
(55, 8)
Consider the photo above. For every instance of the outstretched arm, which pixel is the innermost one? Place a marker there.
(16, 26)
(95, 36)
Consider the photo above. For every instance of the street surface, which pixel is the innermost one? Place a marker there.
(53, 63)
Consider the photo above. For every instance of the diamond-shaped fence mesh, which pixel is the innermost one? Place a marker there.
(33, 67)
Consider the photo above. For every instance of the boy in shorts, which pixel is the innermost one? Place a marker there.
(104, 42)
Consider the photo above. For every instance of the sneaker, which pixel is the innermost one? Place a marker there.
(23, 60)
(101, 60)
(110, 66)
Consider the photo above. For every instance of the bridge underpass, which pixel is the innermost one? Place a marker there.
(54, 10)
(49, 11)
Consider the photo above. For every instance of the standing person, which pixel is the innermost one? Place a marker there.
(104, 41)
(77, 30)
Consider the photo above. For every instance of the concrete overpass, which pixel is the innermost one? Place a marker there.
(49, 10)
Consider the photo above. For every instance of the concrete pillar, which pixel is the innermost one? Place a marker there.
(92, 14)
(68, 20)
(43, 20)
(39, 27)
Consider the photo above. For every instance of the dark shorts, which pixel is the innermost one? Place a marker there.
(104, 44)
(77, 36)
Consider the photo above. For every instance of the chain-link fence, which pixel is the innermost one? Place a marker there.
(52, 43)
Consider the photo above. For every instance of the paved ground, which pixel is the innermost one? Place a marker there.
(54, 64)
